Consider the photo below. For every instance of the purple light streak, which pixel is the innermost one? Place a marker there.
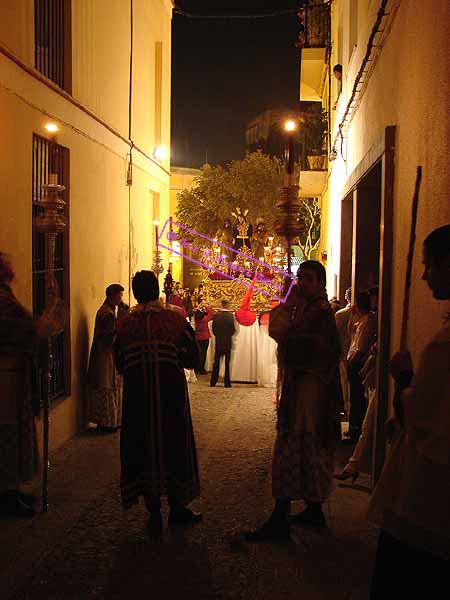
(226, 275)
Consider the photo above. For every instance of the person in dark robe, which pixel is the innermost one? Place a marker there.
(308, 423)
(19, 397)
(104, 382)
(411, 500)
(157, 447)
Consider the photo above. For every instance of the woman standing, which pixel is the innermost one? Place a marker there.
(203, 315)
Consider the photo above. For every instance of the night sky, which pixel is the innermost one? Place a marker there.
(225, 72)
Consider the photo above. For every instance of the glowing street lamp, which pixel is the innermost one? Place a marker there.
(290, 126)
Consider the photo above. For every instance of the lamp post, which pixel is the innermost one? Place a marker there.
(290, 127)
(51, 221)
(288, 223)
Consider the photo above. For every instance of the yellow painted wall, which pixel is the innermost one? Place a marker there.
(408, 88)
(107, 218)
(181, 179)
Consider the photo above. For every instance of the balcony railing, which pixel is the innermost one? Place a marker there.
(316, 19)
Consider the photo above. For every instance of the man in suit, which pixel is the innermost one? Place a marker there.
(223, 329)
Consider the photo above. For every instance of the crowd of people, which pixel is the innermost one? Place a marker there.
(326, 369)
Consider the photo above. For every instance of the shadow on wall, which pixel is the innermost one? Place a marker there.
(81, 349)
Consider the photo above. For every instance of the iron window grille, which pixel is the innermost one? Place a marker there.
(53, 43)
(61, 340)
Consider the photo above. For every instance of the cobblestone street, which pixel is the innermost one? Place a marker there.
(88, 547)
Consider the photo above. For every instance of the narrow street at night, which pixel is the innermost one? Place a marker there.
(86, 546)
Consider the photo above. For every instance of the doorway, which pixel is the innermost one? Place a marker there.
(366, 261)
(360, 234)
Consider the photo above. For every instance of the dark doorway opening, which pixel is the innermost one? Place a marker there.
(366, 261)
(360, 234)
(345, 271)
(366, 256)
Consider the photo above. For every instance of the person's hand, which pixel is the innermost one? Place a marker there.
(293, 294)
(390, 427)
(400, 362)
(52, 319)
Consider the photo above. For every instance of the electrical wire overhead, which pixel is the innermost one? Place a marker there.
(256, 15)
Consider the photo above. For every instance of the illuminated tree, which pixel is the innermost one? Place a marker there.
(310, 238)
(253, 183)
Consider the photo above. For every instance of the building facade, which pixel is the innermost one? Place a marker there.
(100, 72)
(388, 115)
(182, 179)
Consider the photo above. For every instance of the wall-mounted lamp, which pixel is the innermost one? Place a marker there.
(51, 128)
(160, 153)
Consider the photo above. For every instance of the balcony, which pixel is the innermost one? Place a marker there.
(312, 183)
(313, 151)
(314, 41)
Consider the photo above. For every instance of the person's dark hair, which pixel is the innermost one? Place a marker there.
(363, 301)
(199, 314)
(145, 286)
(6, 270)
(225, 303)
(112, 289)
(337, 68)
(437, 243)
(317, 267)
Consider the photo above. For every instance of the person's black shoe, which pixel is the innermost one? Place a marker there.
(29, 499)
(155, 524)
(183, 517)
(12, 506)
(227, 385)
(315, 519)
(104, 429)
(350, 441)
(212, 384)
(271, 531)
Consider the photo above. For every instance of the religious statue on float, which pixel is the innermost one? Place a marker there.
(242, 231)
(260, 239)
(226, 237)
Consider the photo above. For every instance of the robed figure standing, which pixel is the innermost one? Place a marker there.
(157, 448)
(105, 383)
(308, 425)
(20, 337)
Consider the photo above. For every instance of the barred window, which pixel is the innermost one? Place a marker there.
(61, 340)
(53, 41)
